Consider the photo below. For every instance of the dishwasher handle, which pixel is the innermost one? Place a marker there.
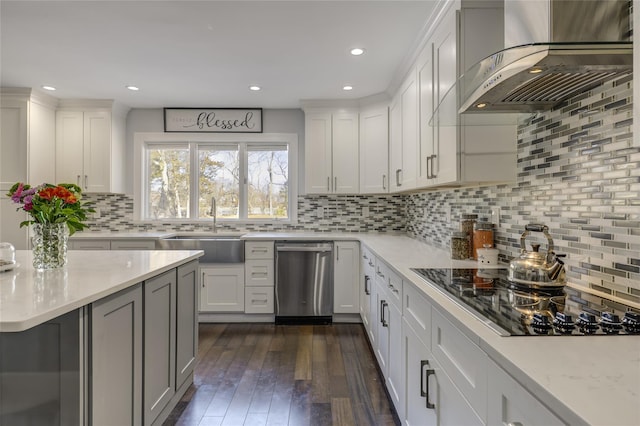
(308, 248)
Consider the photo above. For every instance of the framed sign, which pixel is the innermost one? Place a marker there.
(213, 120)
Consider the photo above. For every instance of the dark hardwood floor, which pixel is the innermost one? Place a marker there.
(266, 374)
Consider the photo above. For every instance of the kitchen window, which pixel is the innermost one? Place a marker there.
(253, 178)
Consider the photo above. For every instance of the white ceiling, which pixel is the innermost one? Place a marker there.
(207, 53)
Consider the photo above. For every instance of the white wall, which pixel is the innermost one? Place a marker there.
(273, 121)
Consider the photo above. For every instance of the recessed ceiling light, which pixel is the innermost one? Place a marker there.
(347, 88)
(255, 88)
(535, 70)
(51, 88)
(357, 51)
(134, 88)
(481, 105)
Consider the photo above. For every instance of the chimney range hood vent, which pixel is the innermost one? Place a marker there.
(564, 48)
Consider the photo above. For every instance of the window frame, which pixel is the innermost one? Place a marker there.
(143, 140)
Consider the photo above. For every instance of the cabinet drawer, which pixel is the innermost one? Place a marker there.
(259, 272)
(133, 245)
(258, 300)
(417, 313)
(394, 288)
(90, 245)
(462, 360)
(258, 250)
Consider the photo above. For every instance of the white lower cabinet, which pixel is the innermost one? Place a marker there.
(222, 288)
(431, 396)
(388, 325)
(512, 404)
(346, 290)
(159, 344)
(259, 277)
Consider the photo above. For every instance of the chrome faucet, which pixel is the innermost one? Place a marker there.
(214, 212)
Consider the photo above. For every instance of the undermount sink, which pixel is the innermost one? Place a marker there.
(217, 248)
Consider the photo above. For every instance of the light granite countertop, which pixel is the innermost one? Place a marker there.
(29, 297)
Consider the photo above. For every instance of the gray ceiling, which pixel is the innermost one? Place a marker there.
(207, 53)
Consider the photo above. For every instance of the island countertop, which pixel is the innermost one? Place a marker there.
(29, 297)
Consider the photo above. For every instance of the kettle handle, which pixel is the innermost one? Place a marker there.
(536, 227)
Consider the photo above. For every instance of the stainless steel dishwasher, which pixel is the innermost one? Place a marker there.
(304, 282)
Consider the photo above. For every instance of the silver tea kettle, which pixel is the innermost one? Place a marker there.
(536, 268)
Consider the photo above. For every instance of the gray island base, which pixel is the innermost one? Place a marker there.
(113, 343)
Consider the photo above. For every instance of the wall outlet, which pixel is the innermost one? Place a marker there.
(495, 216)
(365, 212)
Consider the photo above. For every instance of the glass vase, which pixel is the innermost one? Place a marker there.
(49, 242)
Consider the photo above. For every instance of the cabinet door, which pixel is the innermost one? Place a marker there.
(222, 288)
(317, 169)
(97, 151)
(382, 325)
(346, 297)
(186, 321)
(395, 379)
(346, 156)
(374, 149)
(445, 162)
(69, 147)
(420, 389)
(116, 359)
(462, 360)
(366, 283)
(427, 130)
(409, 132)
(511, 404)
(395, 144)
(159, 343)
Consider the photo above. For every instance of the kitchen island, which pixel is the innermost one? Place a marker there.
(79, 343)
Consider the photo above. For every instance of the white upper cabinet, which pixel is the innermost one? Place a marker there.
(374, 144)
(403, 135)
(454, 148)
(331, 152)
(27, 145)
(90, 147)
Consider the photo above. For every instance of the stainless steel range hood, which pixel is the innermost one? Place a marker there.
(562, 48)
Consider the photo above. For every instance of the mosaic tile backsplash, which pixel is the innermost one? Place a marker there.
(577, 173)
(320, 213)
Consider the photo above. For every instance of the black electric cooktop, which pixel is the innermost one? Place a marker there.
(513, 310)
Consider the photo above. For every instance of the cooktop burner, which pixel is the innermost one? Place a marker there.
(521, 311)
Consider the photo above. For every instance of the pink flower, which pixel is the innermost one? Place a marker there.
(17, 195)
